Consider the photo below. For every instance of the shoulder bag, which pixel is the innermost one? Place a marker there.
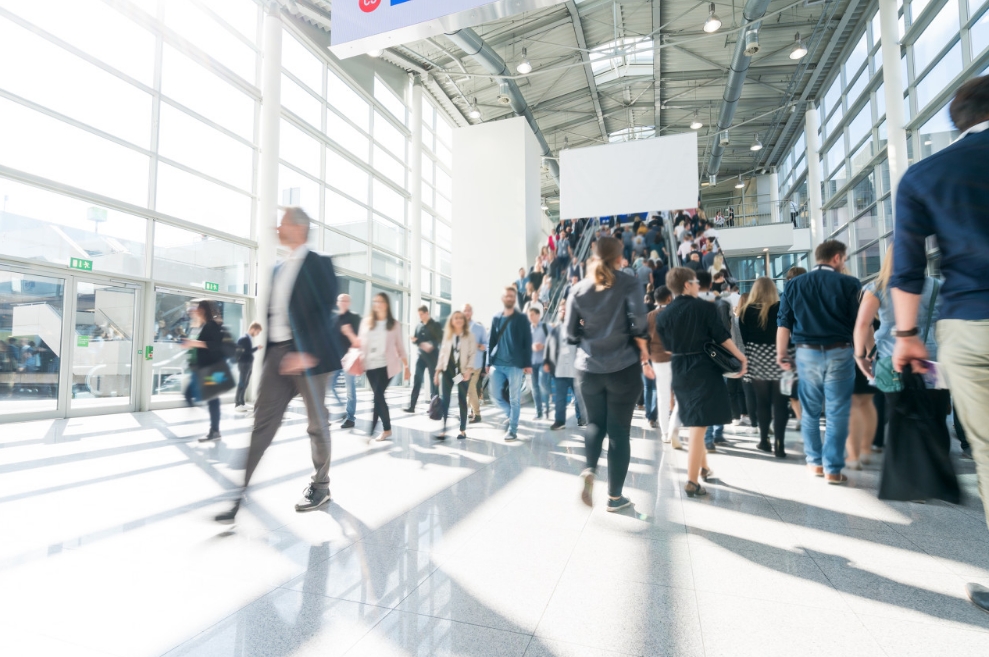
(723, 358)
(888, 379)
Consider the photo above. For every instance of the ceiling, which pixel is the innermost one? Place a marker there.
(634, 88)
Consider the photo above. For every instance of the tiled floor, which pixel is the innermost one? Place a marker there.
(470, 547)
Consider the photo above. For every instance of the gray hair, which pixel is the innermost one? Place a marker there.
(297, 217)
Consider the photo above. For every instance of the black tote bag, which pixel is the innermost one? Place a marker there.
(214, 380)
(916, 465)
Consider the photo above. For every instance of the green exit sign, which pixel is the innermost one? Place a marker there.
(211, 287)
(82, 340)
(79, 263)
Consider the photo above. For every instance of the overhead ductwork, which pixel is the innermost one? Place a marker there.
(754, 10)
(468, 41)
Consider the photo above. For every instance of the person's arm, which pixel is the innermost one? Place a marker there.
(864, 334)
(349, 334)
(729, 344)
(549, 359)
(914, 222)
(784, 322)
(782, 347)
(573, 321)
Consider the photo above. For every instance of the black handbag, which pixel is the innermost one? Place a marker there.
(214, 380)
(723, 358)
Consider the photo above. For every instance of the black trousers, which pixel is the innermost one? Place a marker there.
(736, 398)
(879, 401)
(244, 369)
(771, 404)
(609, 401)
(424, 362)
(447, 381)
(379, 380)
(751, 404)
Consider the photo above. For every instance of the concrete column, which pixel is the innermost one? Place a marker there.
(774, 196)
(893, 87)
(812, 123)
(267, 216)
(415, 210)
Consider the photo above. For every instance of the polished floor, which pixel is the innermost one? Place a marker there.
(470, 547)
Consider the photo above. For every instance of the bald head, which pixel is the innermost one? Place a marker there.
(468, 311)
(343, 302)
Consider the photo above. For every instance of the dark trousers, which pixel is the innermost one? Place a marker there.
(424, 362)
(736, 398)
(771, 404)
(379, 380)
(447, 381)
(879, 401)
(192, 396)
(959, 429)
(563, 386)
(751, 405)
(609, 401)
(274, 394)
(244, 369)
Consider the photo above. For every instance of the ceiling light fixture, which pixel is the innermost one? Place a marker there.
(474, 113)
(696, 123)
(713, 23)
(374, 53)
(739, 184)
(525, 66)
(799, 50)
(545, 205)
(756, 145)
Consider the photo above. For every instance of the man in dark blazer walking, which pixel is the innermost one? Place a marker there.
(300, 354)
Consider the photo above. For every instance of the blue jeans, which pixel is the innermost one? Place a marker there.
(541, 382)
(500, 374)
(827, 379)
(563, 387)
(715, 434)
(351, 382)
(649, 397)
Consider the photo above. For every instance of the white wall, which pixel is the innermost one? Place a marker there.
(742, 241)
(496, 211)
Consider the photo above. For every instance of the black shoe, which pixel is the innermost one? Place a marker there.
(653, 424)
(211, 436)
(539, 416)
(474, 420)
(780, 451)
(581, 423)
(556, 426)
(764, 446)
(979, 595)
(348, 424)
(720, 441)
(409, 409)
(712, 450)
(228, 516)
(439, 436)
(461, 436)
(510, 437)
(313, 498)
(692, 490)
(619, 504)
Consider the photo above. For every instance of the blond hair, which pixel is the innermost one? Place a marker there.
(448, 333)
(762, 296)
(885, 271)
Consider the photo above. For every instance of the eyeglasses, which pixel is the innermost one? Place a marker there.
(695, 281)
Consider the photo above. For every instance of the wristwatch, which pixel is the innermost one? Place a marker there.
(909, 333)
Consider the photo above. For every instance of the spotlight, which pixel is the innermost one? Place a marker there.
(756, 145)
(713, 23)
(374, 53)
(545, 205)
(696, 123)
(474, 113)
(739, 184)
(799, 50)
(524, 67)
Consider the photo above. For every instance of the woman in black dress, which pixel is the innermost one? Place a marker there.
(685, 327)
(205, 350)
(757, 322)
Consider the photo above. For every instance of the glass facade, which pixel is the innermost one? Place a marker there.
(945, 44)
(437, 195)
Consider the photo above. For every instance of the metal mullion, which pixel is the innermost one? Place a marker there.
(926, 17)
(937, 60)
(213, 124)
(41, 109)
(81, 54)
(204, 176)
(153, 168)
(229, 28)
(305, 87)
(942, 97)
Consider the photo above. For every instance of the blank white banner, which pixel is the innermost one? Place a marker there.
(635, 176)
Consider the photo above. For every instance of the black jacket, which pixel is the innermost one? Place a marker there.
(311, 313)
(432, 333)
(212, 335)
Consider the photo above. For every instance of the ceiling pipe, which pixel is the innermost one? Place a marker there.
(475, 47)
(754, 10)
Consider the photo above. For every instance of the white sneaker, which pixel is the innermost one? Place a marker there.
(241, 409)
(675, 442)
(664, 437)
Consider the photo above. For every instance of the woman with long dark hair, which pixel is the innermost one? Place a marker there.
(606, 319)
(455, 368)
(384, 356)
(205, 350)
(757, 320)
(685, 327)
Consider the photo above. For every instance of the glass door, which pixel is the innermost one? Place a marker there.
(31, 309)
(102, 346)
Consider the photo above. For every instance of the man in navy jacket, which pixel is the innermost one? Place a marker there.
(510, 347)
(947, 195)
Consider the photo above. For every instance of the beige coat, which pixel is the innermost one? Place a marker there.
(468, 352)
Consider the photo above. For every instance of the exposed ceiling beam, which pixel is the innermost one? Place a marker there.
(707, 74)
(578, 30)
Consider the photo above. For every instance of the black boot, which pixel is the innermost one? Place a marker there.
(764, 445)
(780, 450)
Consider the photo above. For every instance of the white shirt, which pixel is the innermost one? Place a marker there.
(711, 234)
(978, 127)
(678, 231)
(734, 299)
(279, 327)
(685, 249)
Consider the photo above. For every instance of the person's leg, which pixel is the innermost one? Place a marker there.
(332, 384)
(578, 409)
(595, 397)
(462, 394)
(431, 362)
(751, 405)
(709, 437)
(214, 415)
(664, 394)
(781, 414)
(562, 386)
(764, 403)
(351, 382)
(537, 390)
(868, 433)
(472, 392)
(446, 393)
(274, 394)
(498, 379)
(242, 373)
(417, 382)
(959, 429)
(963, 352)
(515, 377)
(650, 394)
(385, 412)
(377, 379)
(810, 369)
(313, 391)
(674, 434)
(696, 454)
(839, 384)
(547, 382)
(879, 440)
(623, 389)
(854, 429)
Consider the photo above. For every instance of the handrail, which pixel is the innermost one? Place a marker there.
(580, 255)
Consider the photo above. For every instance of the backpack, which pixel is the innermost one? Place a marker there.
(435, 408)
